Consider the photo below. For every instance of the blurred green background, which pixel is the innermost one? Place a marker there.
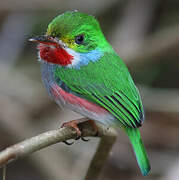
(145, 33)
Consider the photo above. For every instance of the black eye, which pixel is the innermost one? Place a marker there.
(79, 39)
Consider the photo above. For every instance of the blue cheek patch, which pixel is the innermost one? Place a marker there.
(91, 56)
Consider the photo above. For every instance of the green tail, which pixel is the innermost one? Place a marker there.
(139, 149)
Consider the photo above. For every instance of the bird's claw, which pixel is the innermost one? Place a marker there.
(78, 137)
(68, 143)
(74, 125)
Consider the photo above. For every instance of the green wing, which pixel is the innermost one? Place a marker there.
(126, 111)
(107, 83)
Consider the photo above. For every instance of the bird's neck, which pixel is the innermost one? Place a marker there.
(66, 57)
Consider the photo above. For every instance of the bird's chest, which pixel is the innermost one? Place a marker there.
(62, 96)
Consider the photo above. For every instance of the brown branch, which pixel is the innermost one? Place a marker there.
(43, 140)
(100, 156)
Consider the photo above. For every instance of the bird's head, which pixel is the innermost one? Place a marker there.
(73, 39)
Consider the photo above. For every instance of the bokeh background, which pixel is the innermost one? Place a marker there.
(146, 35)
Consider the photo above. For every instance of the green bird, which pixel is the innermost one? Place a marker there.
(82, 72)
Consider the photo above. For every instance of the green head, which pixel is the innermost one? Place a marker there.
(73, 39)
(79, 31)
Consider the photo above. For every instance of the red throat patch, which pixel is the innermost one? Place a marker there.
(56, 54)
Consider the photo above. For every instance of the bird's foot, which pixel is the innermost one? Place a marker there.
(74, 125)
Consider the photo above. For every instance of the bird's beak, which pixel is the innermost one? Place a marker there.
(44, 39)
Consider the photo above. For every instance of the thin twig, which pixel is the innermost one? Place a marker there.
(43, 140)
(100, 156)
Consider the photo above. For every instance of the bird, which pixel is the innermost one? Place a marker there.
(81, 71)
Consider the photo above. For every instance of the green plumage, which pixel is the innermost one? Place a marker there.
(107, 77)
(139, 149)
(105, 82)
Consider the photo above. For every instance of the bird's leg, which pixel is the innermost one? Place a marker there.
(74, 125)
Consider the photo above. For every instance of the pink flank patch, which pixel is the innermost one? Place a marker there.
(56, 54)
(75, 100)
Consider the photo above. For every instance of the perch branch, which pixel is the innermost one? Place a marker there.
(43, 140)
(100, 156)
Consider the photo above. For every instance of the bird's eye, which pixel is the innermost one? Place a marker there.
(79, 39)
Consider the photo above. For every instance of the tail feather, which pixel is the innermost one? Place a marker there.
(139, 149)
